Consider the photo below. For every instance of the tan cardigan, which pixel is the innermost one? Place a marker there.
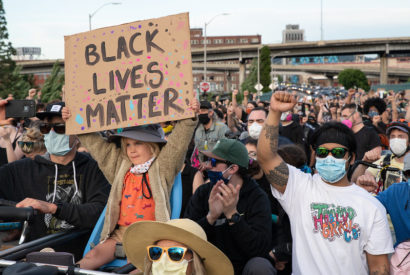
(114, 164)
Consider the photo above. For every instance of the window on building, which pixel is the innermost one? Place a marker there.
(230, 41)
(244, 40)
(254, 40)
(218, 41)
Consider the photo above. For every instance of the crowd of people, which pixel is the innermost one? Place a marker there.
(296, 185)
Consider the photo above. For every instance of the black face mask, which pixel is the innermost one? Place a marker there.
(204, 118)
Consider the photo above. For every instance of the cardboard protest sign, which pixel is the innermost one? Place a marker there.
(127, 75)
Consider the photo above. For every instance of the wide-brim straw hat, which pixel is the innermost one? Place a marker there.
(142, 234)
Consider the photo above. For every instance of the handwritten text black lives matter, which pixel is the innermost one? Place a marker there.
(134, 79)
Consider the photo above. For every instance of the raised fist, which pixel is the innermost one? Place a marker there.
(282, 101)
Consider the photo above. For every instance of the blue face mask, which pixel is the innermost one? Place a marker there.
(57, 144)
(331, 169)
(215, 176)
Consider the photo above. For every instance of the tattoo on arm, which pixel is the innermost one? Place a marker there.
(279, 175)
(272, 133)
(386, 271)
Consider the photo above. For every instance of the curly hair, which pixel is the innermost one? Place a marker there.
(376, 102)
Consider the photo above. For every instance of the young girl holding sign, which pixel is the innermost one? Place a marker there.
(141, 173)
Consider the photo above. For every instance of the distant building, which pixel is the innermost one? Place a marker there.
(292, 33)
(219, 80)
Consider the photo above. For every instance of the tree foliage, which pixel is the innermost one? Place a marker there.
(350, 78)
(11, 81)
(265, 68)
(53, 85)
(250, 81)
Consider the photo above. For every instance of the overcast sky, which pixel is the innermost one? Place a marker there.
(43, 23)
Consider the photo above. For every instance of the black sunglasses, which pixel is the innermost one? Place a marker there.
(59, 128)
(26, 146)
(337, 152)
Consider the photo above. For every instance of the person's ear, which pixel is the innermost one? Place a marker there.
(352, 158)
(210, 113)
(234, 169)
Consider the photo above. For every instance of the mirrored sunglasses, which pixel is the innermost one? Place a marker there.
(337, 152)
(175, 253)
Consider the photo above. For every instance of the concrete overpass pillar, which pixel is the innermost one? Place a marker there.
(242, 73)
(228, 81)
(330, 79)
(384, 67)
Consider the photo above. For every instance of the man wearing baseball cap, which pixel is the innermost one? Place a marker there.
(233, 210)
(398, 134)
(65, 186)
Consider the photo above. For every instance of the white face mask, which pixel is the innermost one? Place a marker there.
(398, 146)
(167, 267)
(255, 130)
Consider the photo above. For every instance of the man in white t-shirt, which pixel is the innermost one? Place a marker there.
(337, 227)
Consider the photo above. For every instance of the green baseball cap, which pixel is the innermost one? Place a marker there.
(229, 150)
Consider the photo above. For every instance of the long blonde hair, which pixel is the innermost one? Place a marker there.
(198, 265)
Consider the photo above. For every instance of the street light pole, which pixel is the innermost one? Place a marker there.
(321, 20)
(92, 14)
(259, 75)
(205, 40)
(272, 58)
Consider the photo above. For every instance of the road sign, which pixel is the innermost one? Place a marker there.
(273, 85)
(205, 86)
(258, 87)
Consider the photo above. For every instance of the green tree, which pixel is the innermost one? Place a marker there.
(11, 81)
(265, 68)
(251, 79)
(350, 78)
(53, 85)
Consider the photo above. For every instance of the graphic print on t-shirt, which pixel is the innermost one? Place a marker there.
(334, 222)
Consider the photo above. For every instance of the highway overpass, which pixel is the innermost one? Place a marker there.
(381, 46)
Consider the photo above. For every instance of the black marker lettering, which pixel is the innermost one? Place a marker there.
(133, 51)
(90, 112)
(104, 54)
(122, 48)
(96, 90)
(161, 77)
(139, 97)
(169, 102)
(111, 113)
(151, 105)
(91, 50)
(122, 99)
(148, 39)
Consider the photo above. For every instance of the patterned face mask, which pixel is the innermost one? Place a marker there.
(142, 168)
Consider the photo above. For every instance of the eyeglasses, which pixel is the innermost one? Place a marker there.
(26, 146)
(337, 152)
(59, 128)
(175, 253)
